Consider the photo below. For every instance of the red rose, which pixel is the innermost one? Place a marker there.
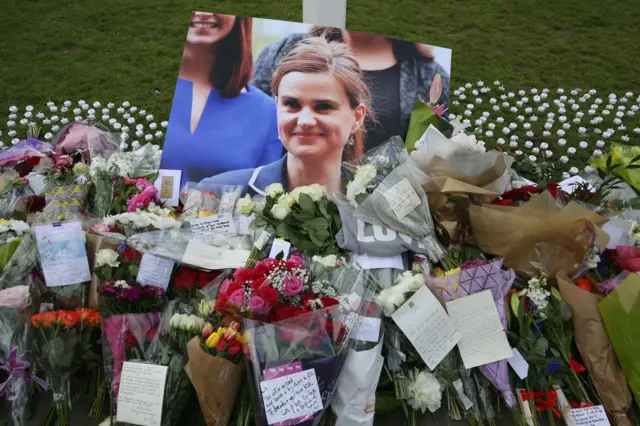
(232, 287)
(131, 254)
(130, 340)
(35, 203)
(33, 161)
(186, 278)
(269, 295)
(328, 301)
(259, 283)
(260, 270)
(221, 303)
(204, 277)
(287, 312)
(243, 275)
(305, 301)
(555, 191)
(234, 348)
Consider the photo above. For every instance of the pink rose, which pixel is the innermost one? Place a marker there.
(257, 305)
(63, 162)
(269, 263)
(237, 298)
(296, 260)
(292, 286)
(101, 227)
(142, 201)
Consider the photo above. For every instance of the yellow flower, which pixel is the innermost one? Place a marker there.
(439, 272)
(451, 272)
(3, 221)
(243, 338)
(212, 341)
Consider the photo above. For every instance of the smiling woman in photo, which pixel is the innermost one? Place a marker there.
(322, 102)
(219, 122)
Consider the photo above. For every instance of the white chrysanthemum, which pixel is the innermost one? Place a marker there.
(107, 257)
(425, 391)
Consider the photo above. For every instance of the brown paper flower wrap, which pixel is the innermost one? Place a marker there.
(216, 381)
(95, 243)
(540, 234)
(595, 349)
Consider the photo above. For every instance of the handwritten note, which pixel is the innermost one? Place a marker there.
(207, 228)
(155, 271)
(483, 338)
(168, 184)
(427, 326)
(402, 198)
(208, 257)
(141, 393)
(291, 396)
(590, 416)
(519, 364)
(379, 262)
(369, 330)
(62, 253)
(280, 246)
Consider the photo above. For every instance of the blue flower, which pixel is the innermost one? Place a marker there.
(553, 367)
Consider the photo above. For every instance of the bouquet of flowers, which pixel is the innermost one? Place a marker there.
(305, 217)
(133, 194)
(187, 283)
(60, 346)
(386, 189)
(215, 368)
(11, 236)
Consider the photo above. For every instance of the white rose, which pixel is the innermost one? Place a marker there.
(315, 191)
(287, 200)
(365, 175)
(274, 190)
(329, 261)
(280, 211)
(121, 284)
(245, 205)
(260, 203)
(107, 257)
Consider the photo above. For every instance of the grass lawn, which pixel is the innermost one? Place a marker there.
(116, 50)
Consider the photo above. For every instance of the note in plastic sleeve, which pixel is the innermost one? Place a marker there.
(155, 271)
(141, 393)
(280, 246)
(206, 228)
(590, 416)
(378, 262)
(168, 185)
(369, 330)
(427, 326)
(262, 240)
(209, 257)
(483, 338)
(402, 198)
(243, 223)
(292, 396)
(62, 253)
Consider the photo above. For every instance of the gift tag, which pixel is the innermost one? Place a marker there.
(519, 364)
(369, 330)
(590, 416)
(141, 393)
(402, 198)
(280, 246)
(155, 271)
(62, 253)
(291, 396)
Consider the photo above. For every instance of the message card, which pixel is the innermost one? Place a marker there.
(368, 331)
(208, 257)
(402, 198)
(206, 228)
(292, 396)
(141, 393)
(62, 253)
(590, 416)
(280, 246)
(427, 326)
(168, 185)
(155, 271)
(483, 338)
(367, 261)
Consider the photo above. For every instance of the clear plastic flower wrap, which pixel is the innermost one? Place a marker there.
(386, 189)
(15, 377)
(17, 258)
(208, 200)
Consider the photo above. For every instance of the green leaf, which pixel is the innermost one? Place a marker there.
(515, 305)
(306, 204)
(542, 343)
(282, 230)
(636, 158)
(633, 167)
(617, 204)
(555, 293)
(634, 203)
(315, 239)
(322, 206)
(319, 223)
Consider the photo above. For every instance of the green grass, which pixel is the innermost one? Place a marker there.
(116, 50)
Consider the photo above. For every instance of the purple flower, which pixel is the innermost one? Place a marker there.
(237, 298)
(292, 286)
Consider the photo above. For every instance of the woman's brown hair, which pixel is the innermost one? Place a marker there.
(233, 68)
(318, 55)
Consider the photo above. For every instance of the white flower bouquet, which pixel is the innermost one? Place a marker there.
(386, 189)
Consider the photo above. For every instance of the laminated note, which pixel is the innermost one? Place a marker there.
(141, 393)
(206, 228)
(62, 253)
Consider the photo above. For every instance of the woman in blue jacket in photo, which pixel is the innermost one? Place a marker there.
(322, 102)
(219, 122)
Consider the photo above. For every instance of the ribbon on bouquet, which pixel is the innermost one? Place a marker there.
(17, 368)
(544, 400)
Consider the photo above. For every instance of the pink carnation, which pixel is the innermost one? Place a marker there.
(142, 200)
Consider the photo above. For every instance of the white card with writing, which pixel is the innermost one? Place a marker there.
(618, 230)
(292, 396)
(280, 246)
(402, 198)
(379, 262)
(262, 240)
(483, 338)
(427, 326)
(62, 253)
(168, 185)
(519, 364)
(209, 257)
(243, 222)
(155, 271)
(141, 393)
(369, 330)
(206, 228)
(590, 416)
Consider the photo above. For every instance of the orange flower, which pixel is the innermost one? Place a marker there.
(35, 320)
(585, 283)
(69, 318)
(90, 316)
(48, 318)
